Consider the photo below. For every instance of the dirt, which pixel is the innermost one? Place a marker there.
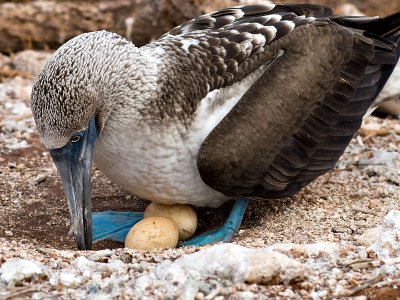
(38, 212)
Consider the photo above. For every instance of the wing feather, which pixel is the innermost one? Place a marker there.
(322, 73)
(298, 118)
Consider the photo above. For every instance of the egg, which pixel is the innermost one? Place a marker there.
(153, 233)
(183, 216)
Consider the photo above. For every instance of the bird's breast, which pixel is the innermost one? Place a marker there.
(156, 164)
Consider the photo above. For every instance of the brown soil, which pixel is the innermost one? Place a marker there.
(385, 293)
(39, 213)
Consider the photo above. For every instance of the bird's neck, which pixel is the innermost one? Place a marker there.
(131, 86)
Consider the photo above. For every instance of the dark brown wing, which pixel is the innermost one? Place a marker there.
(218, 49)
(294, 123)
(223, 19)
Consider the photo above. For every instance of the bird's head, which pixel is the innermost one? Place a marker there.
(70, 112)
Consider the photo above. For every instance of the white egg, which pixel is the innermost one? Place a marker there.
(183, 216)
(153, 233)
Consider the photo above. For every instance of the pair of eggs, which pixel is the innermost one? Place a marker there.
(162, 227)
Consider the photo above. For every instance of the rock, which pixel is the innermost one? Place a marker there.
(18, 108)
(83, 264)
(246, 295)
(235, 263)
(30, 61)
(379, 157)
(15, 90)
(4, 60)
(391, 106)
(16, 270)
(369, 236)
(101, 255)
(388, 243)
(389, 97)
(322, 250)
(8, 233)
(348, 9)
(381, 162)
(391, 89)
(69, 279)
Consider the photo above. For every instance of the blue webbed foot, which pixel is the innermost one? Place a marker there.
(226, 232)
(114, 225)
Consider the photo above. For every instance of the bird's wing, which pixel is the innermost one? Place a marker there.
(321, 75)
(225, 46)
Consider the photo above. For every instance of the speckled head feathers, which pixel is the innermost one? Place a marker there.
(73, 84)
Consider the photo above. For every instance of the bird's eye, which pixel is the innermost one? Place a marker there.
(76, 138)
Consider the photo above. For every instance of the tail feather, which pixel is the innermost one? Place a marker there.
(387, 27)
(385, 34)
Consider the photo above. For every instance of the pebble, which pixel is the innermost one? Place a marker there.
(69, 279)
(8, 233)
(30, 61)
(388, 242)
(101, 255)
(348, 9)
(16, 270)
(369, 236)
(322, 250)
(246, 295)
(39, 178)
(238, 264)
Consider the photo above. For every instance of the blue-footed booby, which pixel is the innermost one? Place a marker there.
(245, 102)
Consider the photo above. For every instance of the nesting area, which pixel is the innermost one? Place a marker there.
(326, 228)
(338, 238)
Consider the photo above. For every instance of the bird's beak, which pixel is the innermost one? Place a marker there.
(74, 162)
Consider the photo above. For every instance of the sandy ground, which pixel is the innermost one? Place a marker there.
(340, 207)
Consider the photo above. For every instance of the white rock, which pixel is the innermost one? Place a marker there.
(320, 251)
(369, 236)
(17, 270)
(348, 9)
(246, 295)
(380, 157)
(391, 89)
(100, 254)
(238, 264)
(18, 145)
(388, 243)
(18, 108)
(66, 254)
(316, 295)
(38, 296)
(69, 279)
(31, 61)
(15, 89)
(10, 125)
(173, 273)
(85, 266)
(83, 263)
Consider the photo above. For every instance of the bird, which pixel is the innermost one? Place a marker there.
(247, 102)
